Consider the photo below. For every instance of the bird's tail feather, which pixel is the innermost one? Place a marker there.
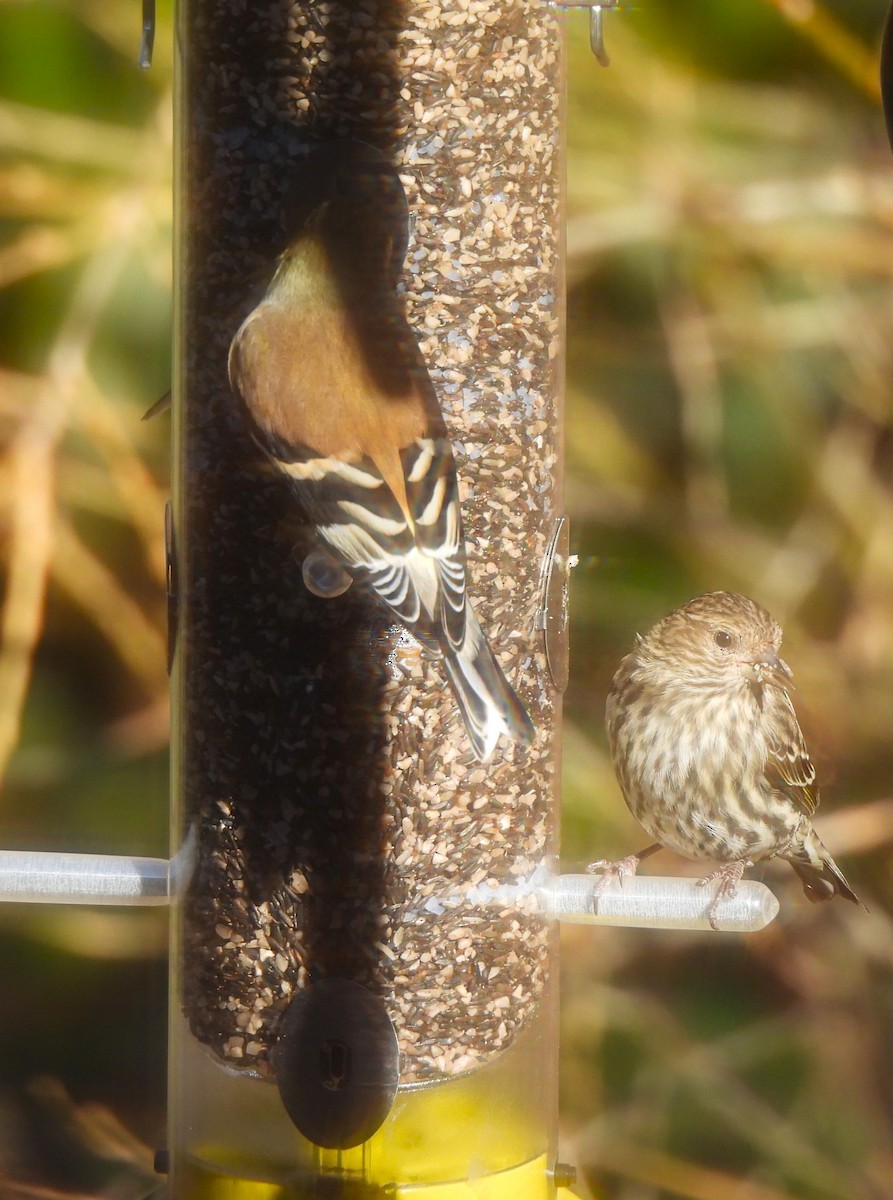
(819, 873)
(487, 701)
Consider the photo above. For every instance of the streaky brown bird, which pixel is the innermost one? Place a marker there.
(708, 750)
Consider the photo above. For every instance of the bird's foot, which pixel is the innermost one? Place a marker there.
(609, 869)
(729, 876)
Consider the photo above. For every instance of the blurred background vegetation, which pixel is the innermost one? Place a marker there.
(730, 238)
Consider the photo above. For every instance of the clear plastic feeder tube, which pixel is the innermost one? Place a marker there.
(320, 763)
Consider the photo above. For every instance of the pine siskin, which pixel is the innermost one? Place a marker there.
(708, 751)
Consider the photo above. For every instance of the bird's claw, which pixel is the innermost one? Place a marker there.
(729, 876)
(609, 870)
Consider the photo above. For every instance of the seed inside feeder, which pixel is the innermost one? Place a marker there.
(332, 793)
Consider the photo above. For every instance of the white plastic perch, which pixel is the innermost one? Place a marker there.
(642, 901)
(35, 877)
(653, 902)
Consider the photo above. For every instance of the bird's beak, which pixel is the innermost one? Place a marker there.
(770, 670)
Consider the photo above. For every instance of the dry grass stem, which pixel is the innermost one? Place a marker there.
(101, 596)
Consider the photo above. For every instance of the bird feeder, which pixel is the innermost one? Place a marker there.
(344, 1016)
(364, 956)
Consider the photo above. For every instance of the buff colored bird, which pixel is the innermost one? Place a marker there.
(708, 750)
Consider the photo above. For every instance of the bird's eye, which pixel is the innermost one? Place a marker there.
(723, 639)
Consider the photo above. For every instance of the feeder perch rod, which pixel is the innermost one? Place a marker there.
(35, 877)
(642, 901)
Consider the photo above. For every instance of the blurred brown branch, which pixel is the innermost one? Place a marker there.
(31, 502)
(677, 1177)
(852, 57)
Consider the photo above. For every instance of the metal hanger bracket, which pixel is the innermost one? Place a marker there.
(596, 29)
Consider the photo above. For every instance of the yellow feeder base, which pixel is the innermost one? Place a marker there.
(480, 1136)
(529, 1181)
